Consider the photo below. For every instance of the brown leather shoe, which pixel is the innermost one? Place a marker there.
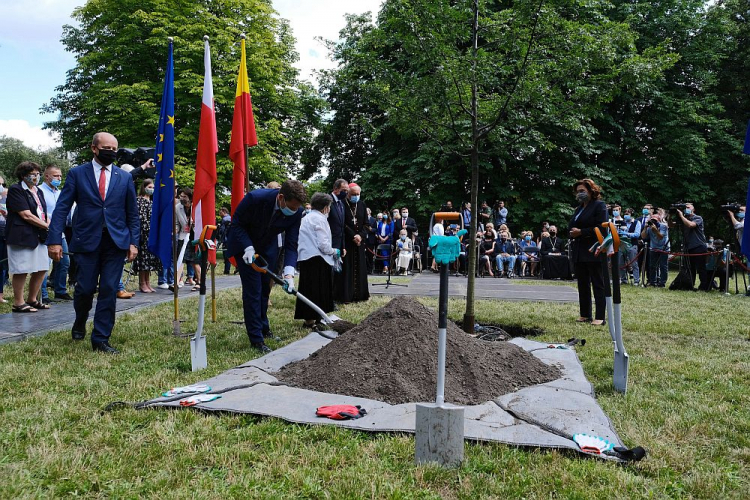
(122, 294)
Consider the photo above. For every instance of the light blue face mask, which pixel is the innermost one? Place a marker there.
(149, 191)
(688, 211)
(741, 215)
(287, 211)
(645, 211)
(354, 199)
(56, 182)
(616, 213)
(527, 238)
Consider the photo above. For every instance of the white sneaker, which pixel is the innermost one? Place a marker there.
(163, 286)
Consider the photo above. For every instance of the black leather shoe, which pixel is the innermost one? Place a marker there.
(78, 332)
(104, 347)
(262, 347)
(63, 296)
(270, 336)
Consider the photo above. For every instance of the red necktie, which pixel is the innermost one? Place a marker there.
(102, 182)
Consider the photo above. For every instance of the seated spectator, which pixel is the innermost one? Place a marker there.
(505, 251)
(487, 252)
(504, 228)
(404, 249)
(529, 253)
(555, 263)
(491, 227)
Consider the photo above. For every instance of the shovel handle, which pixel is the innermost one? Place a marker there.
(260, 265)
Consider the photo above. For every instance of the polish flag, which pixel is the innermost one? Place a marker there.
(204, 193)
(243, 131)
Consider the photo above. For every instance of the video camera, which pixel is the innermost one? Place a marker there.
(731, 207)
(136, 158)
(674, 207)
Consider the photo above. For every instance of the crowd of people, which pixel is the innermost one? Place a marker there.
(333, 241)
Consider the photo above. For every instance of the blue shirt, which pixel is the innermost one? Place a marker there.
(51, 194)
(655, 242)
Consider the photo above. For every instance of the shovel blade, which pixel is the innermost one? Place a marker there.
(621, 372)
(198, 356)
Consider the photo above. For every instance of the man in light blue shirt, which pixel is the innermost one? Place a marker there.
(657, 234)
(51, 190)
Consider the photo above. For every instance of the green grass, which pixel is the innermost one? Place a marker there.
(687, 405)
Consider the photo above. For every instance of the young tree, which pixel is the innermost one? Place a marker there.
(486, 84)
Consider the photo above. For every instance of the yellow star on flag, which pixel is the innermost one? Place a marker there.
(161, 137)
(162, 185)
(171, 174)
(170, 120)
(159, 157)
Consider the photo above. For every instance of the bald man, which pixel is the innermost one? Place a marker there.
(106, 231)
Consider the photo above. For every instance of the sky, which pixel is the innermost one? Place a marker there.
(33, 61)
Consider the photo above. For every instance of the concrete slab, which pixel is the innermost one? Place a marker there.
(15, 327)
(544, 415)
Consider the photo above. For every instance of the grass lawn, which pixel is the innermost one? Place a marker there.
(687, 405)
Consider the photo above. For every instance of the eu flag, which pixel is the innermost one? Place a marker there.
(160, 235)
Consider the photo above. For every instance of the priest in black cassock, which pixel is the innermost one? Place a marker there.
(352, 280)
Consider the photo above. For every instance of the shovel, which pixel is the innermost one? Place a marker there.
(338, 325)
(198, 357)
(622, 359)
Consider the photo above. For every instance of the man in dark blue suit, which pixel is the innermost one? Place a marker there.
(260, 217)
(106, 231)
(336, 223)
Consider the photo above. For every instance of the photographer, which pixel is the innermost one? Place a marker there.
(630, 230)
(657, 235)
(738, 222)
(694, 240)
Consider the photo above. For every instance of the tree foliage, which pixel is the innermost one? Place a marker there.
(13, 151)
(648, 98)
(121, 49)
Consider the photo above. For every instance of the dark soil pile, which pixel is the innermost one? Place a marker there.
(391, 356)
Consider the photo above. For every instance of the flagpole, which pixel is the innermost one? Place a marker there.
(176, 320)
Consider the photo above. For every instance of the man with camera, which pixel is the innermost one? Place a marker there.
(738, 221)
(738, 224)
(657, 235)
(630, 230)
(694, 241)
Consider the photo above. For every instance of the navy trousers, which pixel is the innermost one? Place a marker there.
(102, 268)
(256, 288)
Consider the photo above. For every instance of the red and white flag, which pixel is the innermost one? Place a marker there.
(204, 192)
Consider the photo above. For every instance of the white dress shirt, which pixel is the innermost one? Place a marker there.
(97, 173)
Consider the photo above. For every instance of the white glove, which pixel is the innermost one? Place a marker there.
(249, 255)
(289, 285)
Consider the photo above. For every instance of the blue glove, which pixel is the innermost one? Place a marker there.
(445, 249)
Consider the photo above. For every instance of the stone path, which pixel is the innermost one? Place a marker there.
(427, 284)
(19, 326)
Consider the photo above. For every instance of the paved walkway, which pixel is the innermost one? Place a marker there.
(19, 326)
(427, 284)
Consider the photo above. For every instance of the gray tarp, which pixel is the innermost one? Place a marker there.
(535, 416)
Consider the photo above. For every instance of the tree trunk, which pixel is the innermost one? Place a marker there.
(468, 322)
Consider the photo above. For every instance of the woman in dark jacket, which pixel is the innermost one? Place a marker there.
(25, 234)
(591, 213)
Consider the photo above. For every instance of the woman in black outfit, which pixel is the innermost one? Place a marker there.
(591, 213)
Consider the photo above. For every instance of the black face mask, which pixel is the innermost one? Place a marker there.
(552, 233)
(342, 195)
(106, 157)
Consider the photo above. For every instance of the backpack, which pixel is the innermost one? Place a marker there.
(341, 412)
(684, 279)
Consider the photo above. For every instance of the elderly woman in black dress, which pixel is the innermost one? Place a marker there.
(145, 261)
(25, 234)
(315, 256)
(591, 213)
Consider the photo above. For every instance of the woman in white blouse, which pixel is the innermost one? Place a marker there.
(316, 258)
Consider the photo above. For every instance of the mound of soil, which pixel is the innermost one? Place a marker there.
(391, 356)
